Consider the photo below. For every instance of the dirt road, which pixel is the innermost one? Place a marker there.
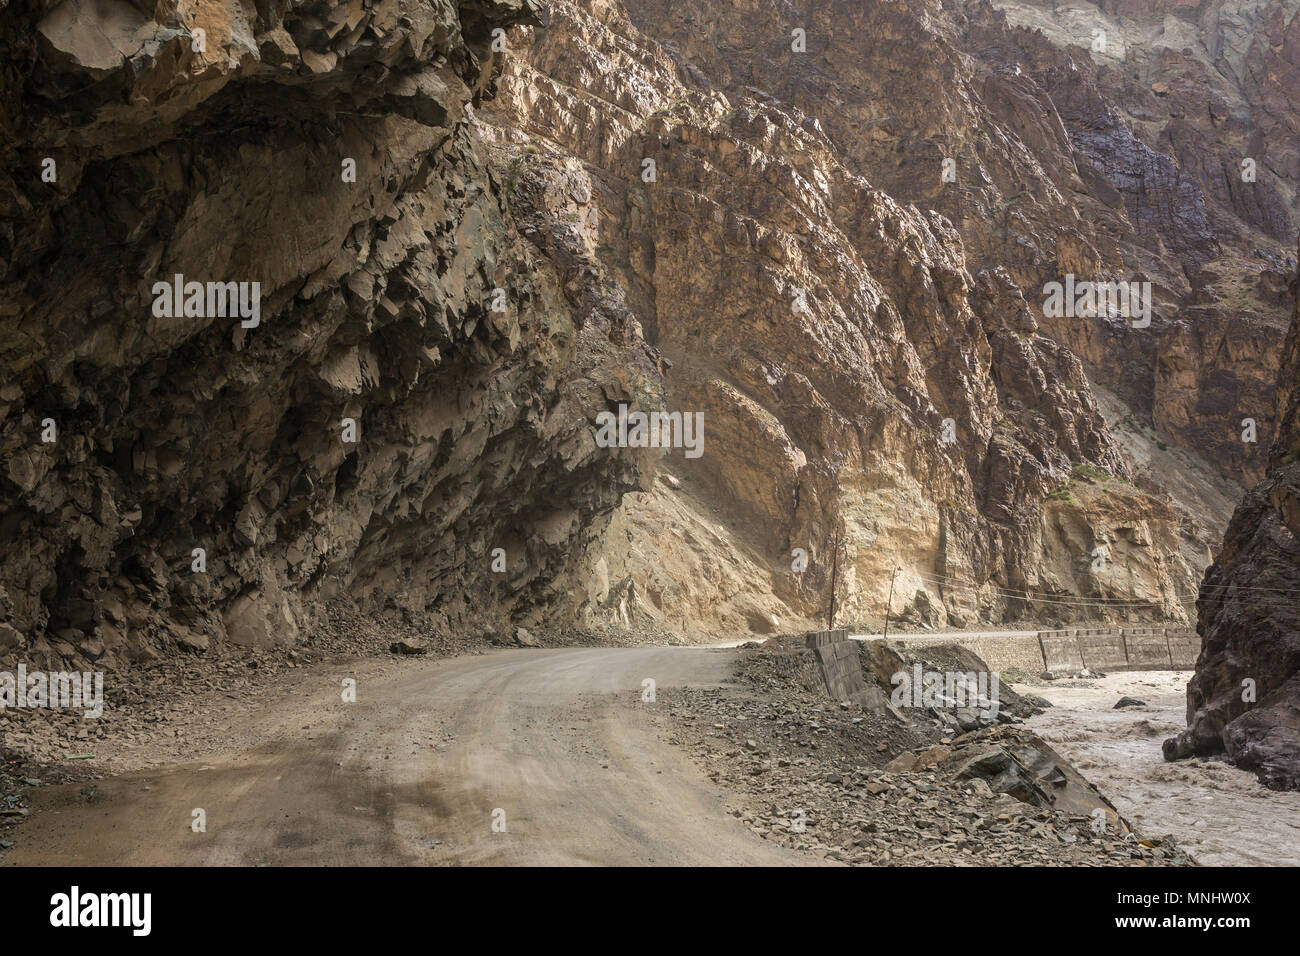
(412, 772)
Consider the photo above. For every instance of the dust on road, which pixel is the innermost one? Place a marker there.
(412, 772)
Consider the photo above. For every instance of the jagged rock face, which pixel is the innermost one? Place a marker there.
(327, 152)
(1163, 120)
(1066, 160)
(1244, 700)
(865, 339)
(825, 330)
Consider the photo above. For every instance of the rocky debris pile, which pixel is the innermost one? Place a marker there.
(14, 781)
(146, 705)
(784, 661)
(525, 639)
(893, 789)
(408, 647)
(885, 663)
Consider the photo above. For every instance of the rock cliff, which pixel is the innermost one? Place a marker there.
(414, 392)
(1244, 700)
(771, 184)
(470, 228)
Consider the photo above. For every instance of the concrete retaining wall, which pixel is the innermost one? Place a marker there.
(841, 667)
(1060, 650)
(1068, 650)
(1184, 647)
(822, 638)
(1006, 653)
(1102, 648)
(1000, 651)
(1148, 649)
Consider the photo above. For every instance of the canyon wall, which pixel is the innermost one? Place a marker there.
(1244, 699)
(771, 188)
(475, 226)
(415, 392)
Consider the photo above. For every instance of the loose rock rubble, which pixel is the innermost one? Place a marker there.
(872, 789)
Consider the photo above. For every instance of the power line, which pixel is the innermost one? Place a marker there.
(1121, 603)
(1020, 595)
(1244, 587)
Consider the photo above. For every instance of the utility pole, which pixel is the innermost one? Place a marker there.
(835, 567)
(890, 602)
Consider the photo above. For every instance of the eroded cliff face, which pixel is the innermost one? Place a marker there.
(1120, 161)
(779, 222)
(477, 225)
(1183, 128)
(327, 152)
(1244, 700)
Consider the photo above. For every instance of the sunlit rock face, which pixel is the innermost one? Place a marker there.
(773, 184)
(413, 392)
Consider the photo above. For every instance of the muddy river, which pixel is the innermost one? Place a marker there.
(1221, 815)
